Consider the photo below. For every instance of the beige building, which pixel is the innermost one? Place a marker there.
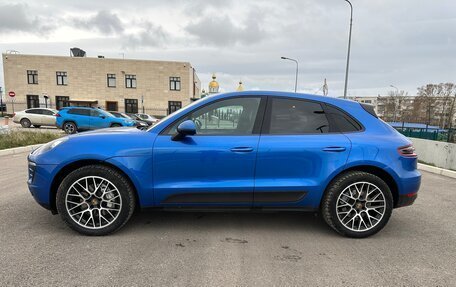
(158, 87)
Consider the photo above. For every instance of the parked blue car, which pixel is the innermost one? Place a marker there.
(74, 119)
(245, 150)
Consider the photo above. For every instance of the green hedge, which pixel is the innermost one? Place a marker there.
(12, 139)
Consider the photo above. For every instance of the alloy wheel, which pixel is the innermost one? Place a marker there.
(361, 206)
(93, 202)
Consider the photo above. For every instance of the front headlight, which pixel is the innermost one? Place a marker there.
(50, 145)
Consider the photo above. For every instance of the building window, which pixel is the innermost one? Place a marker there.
(32, 77)
(61, 101)
(62, 78)
(33, 101)
(111, 80)
(174, 83)
(174, 106)
(111, 106)
(131, 106)
(130, 81)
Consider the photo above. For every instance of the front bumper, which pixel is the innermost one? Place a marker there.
(39, 183)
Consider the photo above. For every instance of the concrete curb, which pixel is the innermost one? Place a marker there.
(437, 170)
(17, 150)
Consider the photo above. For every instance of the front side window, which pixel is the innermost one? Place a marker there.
(62, 79)
(174, 83)
(228, 117)
(290, 116)
(131, 106)
(111, 80)
(130, 81)
(32, 77)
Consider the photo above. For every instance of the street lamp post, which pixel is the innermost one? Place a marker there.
(297, 70)
(348, 52)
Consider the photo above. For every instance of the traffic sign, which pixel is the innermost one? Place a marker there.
(11, 94)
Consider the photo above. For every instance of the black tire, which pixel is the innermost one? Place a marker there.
(126, 193)
(115, 125)
(339, 185)
(37, 126)
(25, 123)
(70, 127)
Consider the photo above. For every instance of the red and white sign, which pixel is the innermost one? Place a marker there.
(11, 94)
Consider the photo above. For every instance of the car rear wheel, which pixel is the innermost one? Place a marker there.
(70, 128)
(25, 123)
(357, 204)
(95, 200)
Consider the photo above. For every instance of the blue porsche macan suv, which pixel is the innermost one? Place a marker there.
(251, 150)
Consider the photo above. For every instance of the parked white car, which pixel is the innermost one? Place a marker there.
(37, 117)
(148, 118)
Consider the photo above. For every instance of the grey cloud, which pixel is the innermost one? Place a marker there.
(104, 21)
(222, 31)
(18, 18)
(150, 36)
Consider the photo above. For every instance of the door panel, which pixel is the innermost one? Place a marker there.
(298, 163)
(199, 165)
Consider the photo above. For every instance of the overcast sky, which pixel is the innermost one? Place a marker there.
(405, 43)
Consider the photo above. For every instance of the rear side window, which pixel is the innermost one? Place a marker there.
(35, 111)
(81, 112)
(342, 121)
(48, 112)
(292, 116)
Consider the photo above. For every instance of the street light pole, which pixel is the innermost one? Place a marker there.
(349, 45)
(297, 70)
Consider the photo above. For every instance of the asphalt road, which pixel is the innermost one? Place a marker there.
(417, 247)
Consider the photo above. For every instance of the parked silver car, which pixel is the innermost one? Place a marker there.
(36, 116)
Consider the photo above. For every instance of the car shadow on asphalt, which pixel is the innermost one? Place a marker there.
(217, 221)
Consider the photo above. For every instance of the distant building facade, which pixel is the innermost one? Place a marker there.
(158, 87)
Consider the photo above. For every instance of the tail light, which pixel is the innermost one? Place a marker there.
(407, 151)
(57, 115)
(14, 114)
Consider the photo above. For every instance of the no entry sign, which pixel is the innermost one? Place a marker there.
(11, 94)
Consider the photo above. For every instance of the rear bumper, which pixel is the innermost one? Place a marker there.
(408, 189)
(406, 199)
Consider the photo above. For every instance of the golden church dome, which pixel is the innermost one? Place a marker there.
(213, 85)
(240, 88)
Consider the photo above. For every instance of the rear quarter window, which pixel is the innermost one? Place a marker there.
(341, 121)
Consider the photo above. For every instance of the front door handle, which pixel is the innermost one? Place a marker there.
(242, 149)
(334, 149)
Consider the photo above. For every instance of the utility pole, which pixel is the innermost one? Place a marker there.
(349, 45)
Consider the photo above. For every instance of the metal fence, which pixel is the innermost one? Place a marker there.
(447, 135)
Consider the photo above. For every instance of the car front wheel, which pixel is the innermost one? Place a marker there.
(357, 204)
(25, 123)
(95, 200)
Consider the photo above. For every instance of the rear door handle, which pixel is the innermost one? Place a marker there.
(334, 149)
(242, 149)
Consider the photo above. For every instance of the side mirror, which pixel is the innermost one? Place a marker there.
(103, 117)
(186, 128)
